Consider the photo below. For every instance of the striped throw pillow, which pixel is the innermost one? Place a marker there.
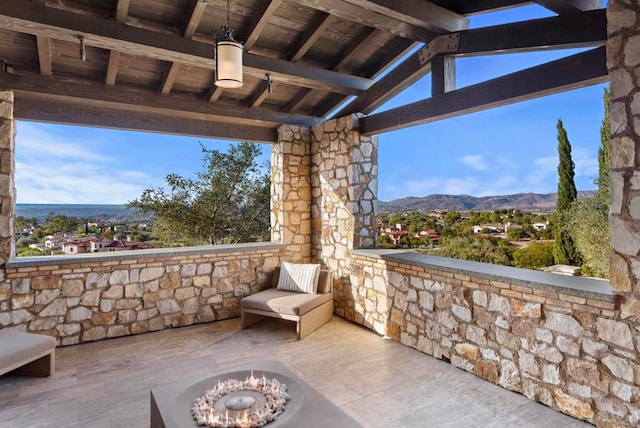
(299, 278)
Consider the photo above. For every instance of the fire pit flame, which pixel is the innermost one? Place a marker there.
(253, 402)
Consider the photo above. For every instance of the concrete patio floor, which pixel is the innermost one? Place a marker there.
(378, 382)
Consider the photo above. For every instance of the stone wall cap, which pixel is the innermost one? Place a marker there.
(590, 288)
(21, 262)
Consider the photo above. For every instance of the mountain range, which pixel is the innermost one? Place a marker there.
(521, 201)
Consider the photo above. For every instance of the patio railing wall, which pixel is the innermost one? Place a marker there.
(558, 340)
(80, 299)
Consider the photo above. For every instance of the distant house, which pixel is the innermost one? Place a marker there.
(76, 247)
(95, 245)
(492, 228)
(430, 234)
(540, 226)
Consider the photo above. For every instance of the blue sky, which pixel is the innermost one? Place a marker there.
(506, 150)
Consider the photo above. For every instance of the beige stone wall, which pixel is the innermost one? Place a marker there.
(568, 351)
(344, 179)
(291, 192)
(623, 61)
(88, 299)
(7, 167)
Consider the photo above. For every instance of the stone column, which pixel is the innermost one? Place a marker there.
(344, 175)
(291, 192)
(623, 62)
(7, 184)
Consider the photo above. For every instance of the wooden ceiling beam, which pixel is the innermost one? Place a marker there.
(564, 7)
(577, 30)
(112, 68)
(44, 55)
(466, 7)
(57, 24)
(136, 100)
(351, 12)
(576, 71)
(408, 47)
(214, 93)
(349, 51)
(316, 29)
(121, 12)
(260, 20)
(420, 13)
(259, 95)
(313, 33)
(404, 75)
(196, 11)
(66, 112)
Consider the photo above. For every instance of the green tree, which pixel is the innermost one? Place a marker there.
(485, 249)
(564, 250)
(29, 252)
(589, 217)
(604, 176)
(228, 202)
(534, 256)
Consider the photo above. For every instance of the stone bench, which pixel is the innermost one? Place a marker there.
(26, 353)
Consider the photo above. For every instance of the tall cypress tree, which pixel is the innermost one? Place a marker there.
(604, 177)
(564, 250)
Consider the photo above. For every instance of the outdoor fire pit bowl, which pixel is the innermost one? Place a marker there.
(171, 404)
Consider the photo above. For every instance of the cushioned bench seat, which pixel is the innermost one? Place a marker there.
(26, 353)
(309, 311)
(285, 302)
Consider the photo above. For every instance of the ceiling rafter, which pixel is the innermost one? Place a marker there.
(577, 30)
(420, 13)
(317, 27)
(44, 55)
(576, 71)
(121, 12)
(408, 47)
(466, 7)
(354, 13)
(260, 20)
(44, 49)
(135, 100)
(564, 7)
(194, 16)
(67, 112)
(101, 33)
(343, 59)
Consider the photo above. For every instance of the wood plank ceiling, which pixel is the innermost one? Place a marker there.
(148, 64)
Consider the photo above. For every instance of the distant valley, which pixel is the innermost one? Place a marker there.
(522, 201)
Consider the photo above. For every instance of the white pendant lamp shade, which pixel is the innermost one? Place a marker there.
(228, 63)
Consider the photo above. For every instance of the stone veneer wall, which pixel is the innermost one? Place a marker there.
(623, 61)
(344, 179)
(7, 168)
(566, 349)
(291, 192)
(82, 299)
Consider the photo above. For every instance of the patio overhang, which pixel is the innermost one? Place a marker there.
(149, 65)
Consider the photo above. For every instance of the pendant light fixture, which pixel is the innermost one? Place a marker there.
(228, 56)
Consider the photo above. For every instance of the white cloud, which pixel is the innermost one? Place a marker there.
(460, 186)
(586, 162)
(34, 140)
(476, 162)
(53, 169)
(420, 188)
(543, 168)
